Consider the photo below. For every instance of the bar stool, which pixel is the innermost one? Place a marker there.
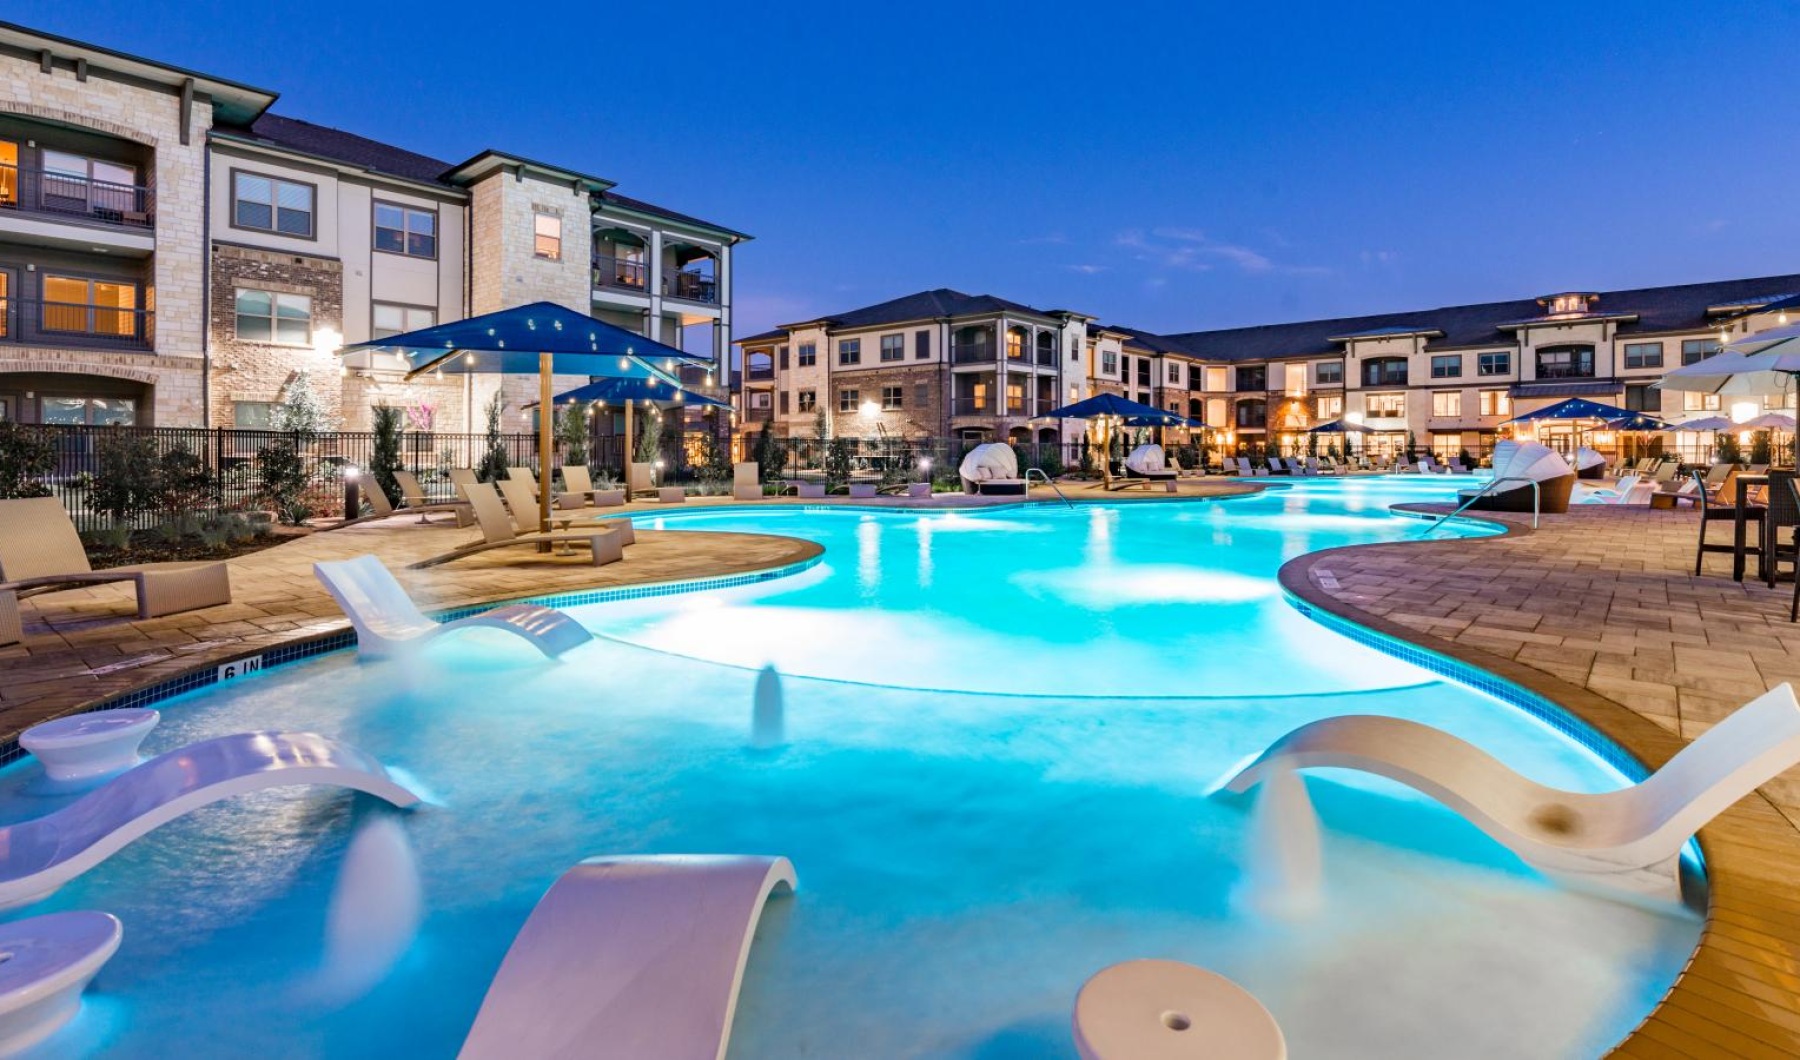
(1783, 514)
(1720, 509)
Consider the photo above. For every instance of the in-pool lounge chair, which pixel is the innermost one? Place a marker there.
(40, 552)
(412, 494)
(387, 620)
(604, 544)
(1630, 489)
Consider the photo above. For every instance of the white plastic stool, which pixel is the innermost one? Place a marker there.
(49, 961)
(1167, 1010)
(83, 749)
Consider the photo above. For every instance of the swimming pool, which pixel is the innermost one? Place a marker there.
(1000, 730)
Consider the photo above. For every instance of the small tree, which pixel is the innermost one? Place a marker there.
(1761, 450)
(1412, 447)
(184, 485)
(770, 456)
(572, 431)
(492, 465)
(650, 438)
(1728, 451)
(127, 478)
(715, 462)
(299, 410)
(384, 460)
(821, 433)
(25, 458)
(1086, 460)
(837, 463)
(282, 482)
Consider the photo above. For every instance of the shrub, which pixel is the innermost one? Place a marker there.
(572, 432)
(837, 463)
(492, 465)
(770, 456)
(1728, 451)
(183, 482)
(283, 482)
(299, 411)
(127, 479)
(25, 458)
(1087, 456)
(384, 460)
(1761, 451)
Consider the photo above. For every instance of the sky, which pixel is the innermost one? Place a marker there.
(1169, 167)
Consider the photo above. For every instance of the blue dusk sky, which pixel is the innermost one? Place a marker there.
(1171, 168)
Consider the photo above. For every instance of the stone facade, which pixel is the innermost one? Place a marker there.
(261, 371)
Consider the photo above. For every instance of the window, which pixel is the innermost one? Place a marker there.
(1252, 413)
(849, 351)
(1447, 366)
(1109, 363)
(394, 319)
(1446, 403)
(760, 399)
(1253, 378)
(893, 347)
(1391, 405)
(405, 230)
(282, 319)
(890, 398)
(1329, 373)
(1643, 355)
(1565, 362)
(781, 357)
(1499, 363)
(1693, 402)
(89, 307)
(1143, 371)
(1693, 351)
(807, 355)
(1175, 372)
(1639, 397)
(269, 205)
(922, 345)
(546, 236)
(921, 395)
(807, 400)
(1015, 396)
(97, 412)
(1385, 371)
(848, 400)
(252, 415)
(1329, 407)
(1015, 344)
(1496, 403)
(784, 402)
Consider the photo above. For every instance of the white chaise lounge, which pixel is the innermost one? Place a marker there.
(42, 854)
(630, 957)
(1629, 839)
(387, 620)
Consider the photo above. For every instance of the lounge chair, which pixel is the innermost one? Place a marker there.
(412, 494)
(1278, 467)
(605, 544)
(40, 552)
(1149, 462)
(386, 620)
(41, 854)
(1624, 491)
(1521, 461)
(630, 957)
(1404, 467)
(643, 481)
(522, 505)
(379, 505)
(1457, 466)
(51, 960)
(746, 481)
(1629, 839)
(1666, 471)
(1675, 493)
(1716, 476)
(581, 492)
(991, 468)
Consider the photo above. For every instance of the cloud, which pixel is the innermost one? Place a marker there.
(1050, 239)
(1086, 270)
(1379, 257)
(1192, 250)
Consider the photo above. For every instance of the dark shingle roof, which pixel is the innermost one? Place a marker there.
(761, 336)
(926, 305)
(657, 211)
(1659, 309)
(1148, 340)
(339, 146)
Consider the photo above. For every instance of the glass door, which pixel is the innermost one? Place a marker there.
(8, 282)
(9, 174)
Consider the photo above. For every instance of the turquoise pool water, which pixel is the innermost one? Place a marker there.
(1000, 731)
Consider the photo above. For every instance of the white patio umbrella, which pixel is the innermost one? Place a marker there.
(1768, 421)
(1764, 363)
(1704, 423)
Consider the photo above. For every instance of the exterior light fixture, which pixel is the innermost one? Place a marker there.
(870, 408)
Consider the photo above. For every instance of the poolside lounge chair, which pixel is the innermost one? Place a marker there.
(51, 960)
(1666, 471)
(1457, 466)
(1404, 467)
(41, 854)
(991, 468)
(1589, 464)
(1629, 839)
(604, 544)
(746, 481)
(40, 552)
(1277, 467)
(386, 620)
(412, 494)
(1716, 476)
(643, 480)
(1630, 489)
(643, 954)
(581, 492)
(379, 505)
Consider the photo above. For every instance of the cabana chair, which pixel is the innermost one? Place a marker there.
(1719, 507)
(387, 620)
(746, 481)
(991, 468)
(1589, 464)
(1148, 462)
(40, 552)
(1527, 460)
(581, 491)
(412, 494)
(605, 544)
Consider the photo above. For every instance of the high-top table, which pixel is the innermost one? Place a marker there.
(1740, 529)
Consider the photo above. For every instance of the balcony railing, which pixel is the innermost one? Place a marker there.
(971, 353)
(964, 406)
(33, 190)
(766, 371)
(693, 287)
(75, 324)
(1046, 357)
(759, 415)
(619, 272)
(1565, 371)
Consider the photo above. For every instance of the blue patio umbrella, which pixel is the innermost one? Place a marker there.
(1575, 409)
(541, 337)
(620, 391)
(1341, 427)
(1638, 421)
(1104, 409)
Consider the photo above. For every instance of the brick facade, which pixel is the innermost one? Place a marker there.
(259, 371)
(913, 419)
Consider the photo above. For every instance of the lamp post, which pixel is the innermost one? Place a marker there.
(352, 492)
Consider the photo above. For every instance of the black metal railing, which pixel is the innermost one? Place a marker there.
(693, 287)
(619, 272)
(75, 324)
(765, 371)
(1565, 371)
(35, 190)
(971, 352)
(1047, 357)
(759, 415)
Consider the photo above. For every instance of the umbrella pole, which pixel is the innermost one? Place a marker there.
(1105, 454)
(625, 450)
(546, 439)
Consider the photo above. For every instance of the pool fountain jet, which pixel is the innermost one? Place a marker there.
(767, 729)
(375, 911)
(1282, 880)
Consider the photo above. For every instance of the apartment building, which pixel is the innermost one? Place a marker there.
(1444, 379)
(174, 253)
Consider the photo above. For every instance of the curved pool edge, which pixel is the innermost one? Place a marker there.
(1747, 849)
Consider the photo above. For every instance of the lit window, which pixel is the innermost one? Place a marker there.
(1643, 355)
(1496, 403)
(1387, 405)
(1330, 407)
(89, 307)
(404, 230)
(269, 205)
(1446, 403)
(395, 319)
(282, 319)
(1694, 402)
(546, 236)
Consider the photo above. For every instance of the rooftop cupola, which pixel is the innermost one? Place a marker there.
(1568, 304)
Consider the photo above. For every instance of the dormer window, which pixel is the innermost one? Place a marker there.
(1568, 305)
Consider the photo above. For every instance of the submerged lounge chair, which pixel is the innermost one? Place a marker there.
(40, 552)
(630, 957)
(991, 468)
(386, 618)
(605, 544)
(1521, 461)
(1629, 839)
(42, 854)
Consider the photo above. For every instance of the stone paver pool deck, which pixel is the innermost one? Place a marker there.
(1597, 610)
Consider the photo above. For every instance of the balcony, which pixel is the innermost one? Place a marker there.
(762, 415)
(692, 287)
(1565, 371)
(36, 191)
(760, 373)
(972, 406)
(972, 353)
(75, 324)
(1046, 357)
(619, 272)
